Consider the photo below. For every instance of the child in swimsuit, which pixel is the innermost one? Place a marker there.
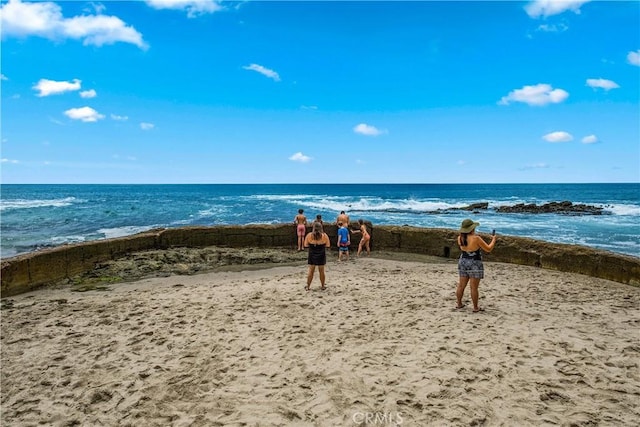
(343, 241)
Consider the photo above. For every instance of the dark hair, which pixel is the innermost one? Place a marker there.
(317, 231)
(360, 221)
(463, 238)
(300, 211)
(341, 212)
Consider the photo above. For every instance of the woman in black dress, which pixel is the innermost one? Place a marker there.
(317, 241)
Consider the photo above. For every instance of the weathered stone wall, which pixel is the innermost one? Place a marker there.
(30, 271)
(515, 250)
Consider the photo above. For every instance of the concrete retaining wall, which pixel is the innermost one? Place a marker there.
(27, 272)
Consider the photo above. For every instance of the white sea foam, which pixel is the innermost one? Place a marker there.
(362, 204)
(124, 231)
(376, 204)
(30, 204)
(623, 210)
(212, 212)
(57, 240)
(276, 196)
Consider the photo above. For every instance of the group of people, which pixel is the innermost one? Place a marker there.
(318, 241)
(470, 266)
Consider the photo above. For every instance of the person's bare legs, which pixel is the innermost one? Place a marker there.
(312, 269)
(462, 284)
(360, 245)
(474, 293)
(321, 270)
(366, 246)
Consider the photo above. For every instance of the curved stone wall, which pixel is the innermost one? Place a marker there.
(27, 272)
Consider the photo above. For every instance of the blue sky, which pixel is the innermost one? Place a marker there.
(168, 91)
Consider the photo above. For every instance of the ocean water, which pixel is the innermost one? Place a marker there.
(38, 216)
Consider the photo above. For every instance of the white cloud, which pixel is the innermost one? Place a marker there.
(88, 93)
(9, 161)
(552, 28)
(538, 95)
(264, 71)
(100, 30)
(634, 57)
(194, 8)
(299, 157)
(590, 139)
(545, 8)
(539, 165)
(45, 19)
(129, 158)
(602, 84)
(85, 114)
(119, 118)
(98, 8)
(51, 87)
(146, 126)
(365, 129)
(308, 107)
(559, 136)
(3, 77)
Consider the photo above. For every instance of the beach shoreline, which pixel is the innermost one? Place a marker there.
(251, 347)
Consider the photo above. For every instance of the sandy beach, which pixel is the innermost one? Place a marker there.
(383, 345)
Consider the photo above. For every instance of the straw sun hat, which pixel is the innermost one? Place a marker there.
(468, 226)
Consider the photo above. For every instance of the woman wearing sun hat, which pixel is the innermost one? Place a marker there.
(470, 265)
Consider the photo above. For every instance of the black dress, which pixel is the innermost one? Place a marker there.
(317, 254)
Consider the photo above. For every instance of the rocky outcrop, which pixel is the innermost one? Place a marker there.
(27, 272)
(474, 207)
(565, 207)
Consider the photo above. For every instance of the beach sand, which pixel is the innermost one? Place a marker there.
(383, 345)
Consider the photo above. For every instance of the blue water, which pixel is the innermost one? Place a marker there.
(38, 216)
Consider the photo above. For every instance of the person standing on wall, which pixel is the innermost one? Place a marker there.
(300, 222)
(343, 218)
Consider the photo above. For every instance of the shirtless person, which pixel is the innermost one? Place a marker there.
(300, 222)
(343, 218)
